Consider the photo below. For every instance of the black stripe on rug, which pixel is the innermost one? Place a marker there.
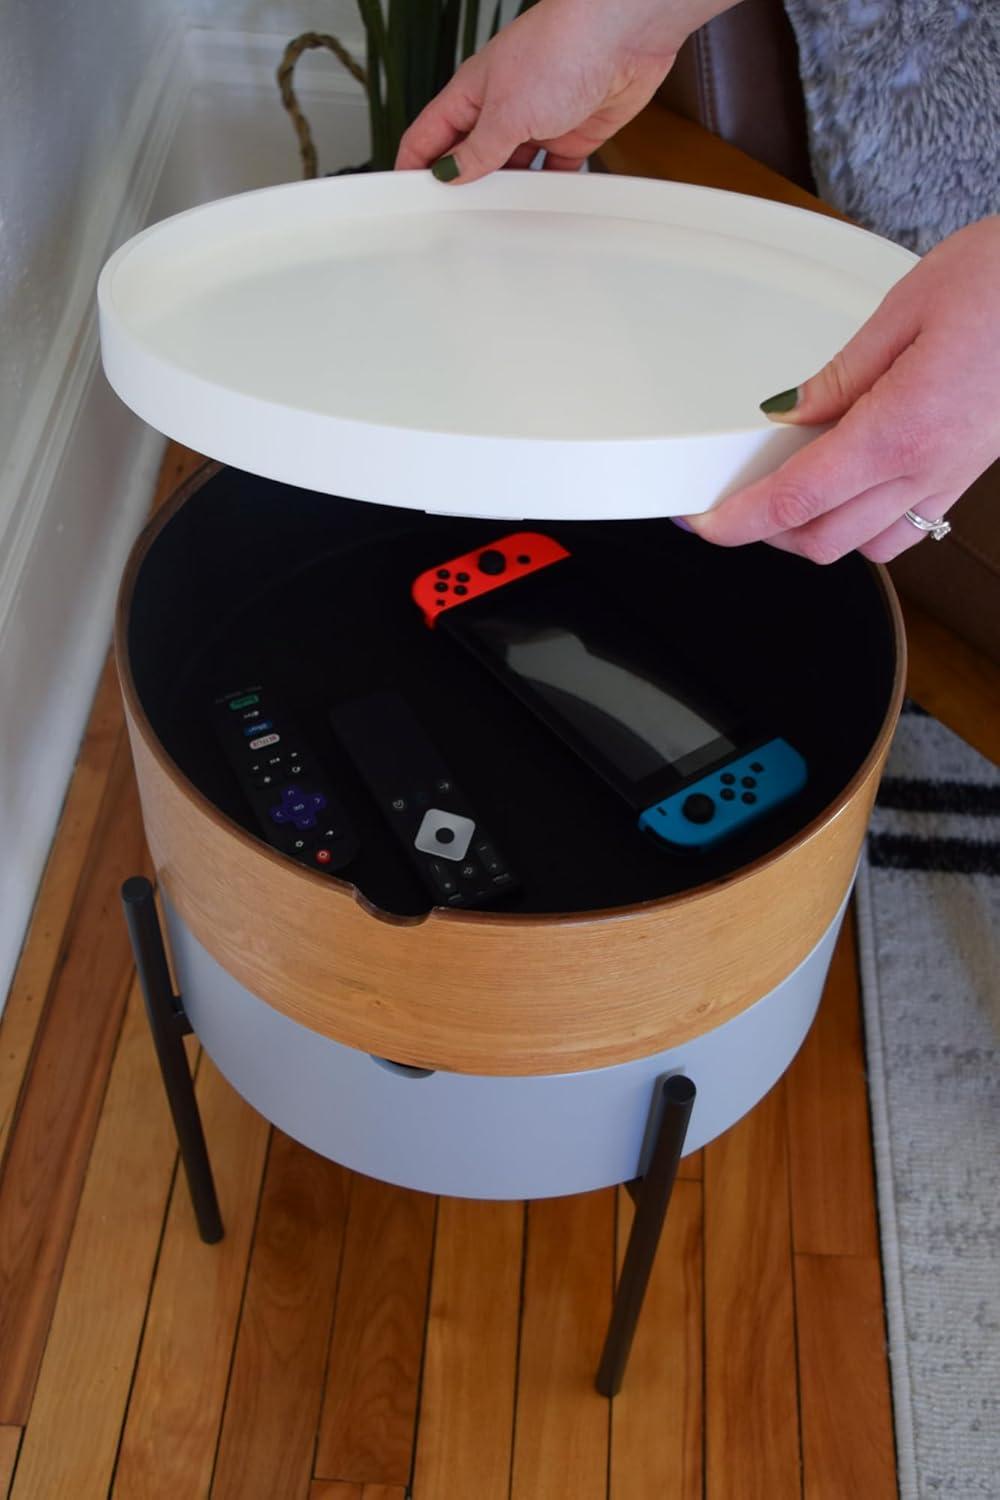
(899, 851)
(908, 794)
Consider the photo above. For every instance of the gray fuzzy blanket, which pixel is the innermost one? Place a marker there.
(903, 100)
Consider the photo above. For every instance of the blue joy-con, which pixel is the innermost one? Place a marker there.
(725, 801)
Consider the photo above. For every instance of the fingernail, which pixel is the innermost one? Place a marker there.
(445, 170)
(782, 402)
(684, 525)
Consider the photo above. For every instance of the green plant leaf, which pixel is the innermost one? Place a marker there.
(447, 42)
(470, 28)
(423, 30)
(395, 104)
(376, 109)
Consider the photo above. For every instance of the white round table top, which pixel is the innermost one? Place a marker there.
(534, 345)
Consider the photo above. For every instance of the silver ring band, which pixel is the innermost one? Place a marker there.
(938, 529)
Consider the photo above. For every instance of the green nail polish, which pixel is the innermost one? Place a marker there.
(783, 401)
(445, 170)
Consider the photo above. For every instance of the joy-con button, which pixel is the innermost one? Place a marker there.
(492, 561)
(698, 808)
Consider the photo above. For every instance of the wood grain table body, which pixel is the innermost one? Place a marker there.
(485, 993)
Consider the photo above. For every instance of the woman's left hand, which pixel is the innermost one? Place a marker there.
(915, 397)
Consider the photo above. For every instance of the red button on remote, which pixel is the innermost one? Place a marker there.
(323, 856)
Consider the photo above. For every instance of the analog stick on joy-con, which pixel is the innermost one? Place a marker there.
(491, 561)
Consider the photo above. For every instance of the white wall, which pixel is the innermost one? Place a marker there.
(113, 113)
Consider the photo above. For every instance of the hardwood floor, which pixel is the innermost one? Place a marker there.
(352, 1341)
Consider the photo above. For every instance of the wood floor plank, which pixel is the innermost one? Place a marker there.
(467, 1399)
(847, 1434)
(656, 1419)
(336, 1489)
(752, 1427)
(276, 1385)
(50, 1144)
(70, 1444)
(561, 1423)
(366, 1431)
(10, 1438)
(175, 1412)
(953, 680)
(829, 1133)
(47, 933)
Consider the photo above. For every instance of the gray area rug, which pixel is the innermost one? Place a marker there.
(929, 934)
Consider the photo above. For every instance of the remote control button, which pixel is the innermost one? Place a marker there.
(749, 797)
(263, 782)
(756, 766)
(264, 741)
(244, 701)
(504, 879)
(322, 856)
(727, 779)
(277, 814)
(398, 804)
(261, 728)
(444, 572)
(491, 561)
(330, 835)
(443, 878)
(727, 794)
(445, 835)
(251, 715)
(698, 808)
(489, 856)
(748, 781)
(469, 872)
(444, 786)
(434, 820)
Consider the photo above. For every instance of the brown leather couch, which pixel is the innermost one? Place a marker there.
(738, 77)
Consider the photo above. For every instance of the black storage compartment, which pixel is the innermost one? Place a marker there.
(256, 581)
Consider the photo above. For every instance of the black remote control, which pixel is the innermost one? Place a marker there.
(282, 780)
(420, 800)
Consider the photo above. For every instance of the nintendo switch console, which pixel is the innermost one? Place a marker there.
(655, 724)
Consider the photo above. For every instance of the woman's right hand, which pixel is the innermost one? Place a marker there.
(563, 77)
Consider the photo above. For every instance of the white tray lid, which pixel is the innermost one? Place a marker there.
(533, 345)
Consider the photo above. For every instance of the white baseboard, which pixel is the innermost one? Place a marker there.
(205, 122)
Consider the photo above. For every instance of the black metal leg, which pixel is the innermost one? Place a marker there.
(169, 1025)
(652, 1198)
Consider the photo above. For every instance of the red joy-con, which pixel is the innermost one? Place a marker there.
(490, 567)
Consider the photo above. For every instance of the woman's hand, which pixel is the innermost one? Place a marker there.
(563, 77)
(915, 397)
